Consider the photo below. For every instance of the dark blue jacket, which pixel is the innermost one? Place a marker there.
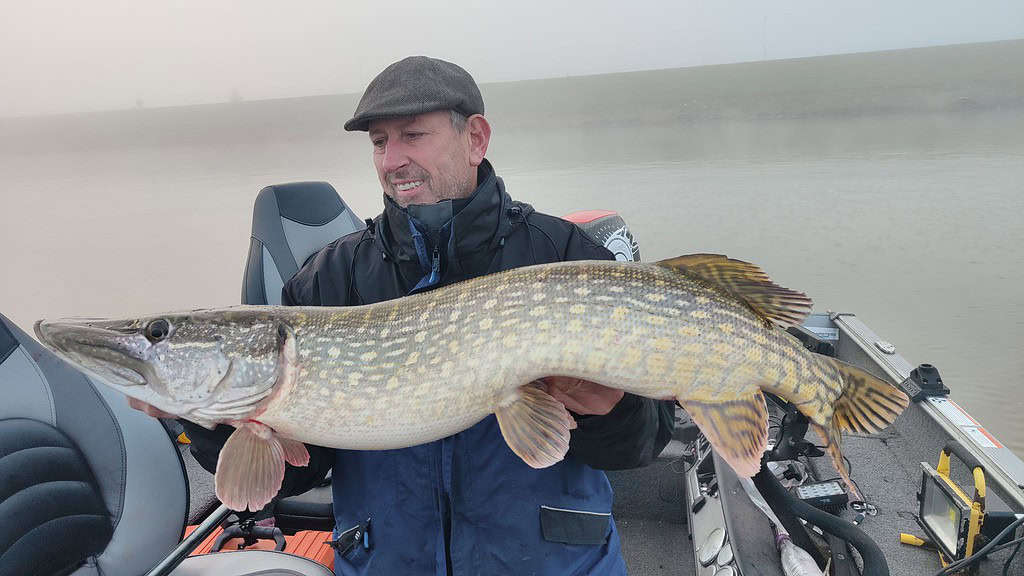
(467, 504)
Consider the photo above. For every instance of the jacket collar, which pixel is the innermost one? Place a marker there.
(466, 245)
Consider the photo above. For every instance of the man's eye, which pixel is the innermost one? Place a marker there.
(378, 143)
(413, 135)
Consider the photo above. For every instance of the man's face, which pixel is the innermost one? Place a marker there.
(423, 159)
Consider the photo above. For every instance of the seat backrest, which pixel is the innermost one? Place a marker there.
(610, 230)
(290, 222)
(70, 503)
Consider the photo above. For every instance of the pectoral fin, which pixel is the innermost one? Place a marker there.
(536, 427)
(251, 466)
(737, 429)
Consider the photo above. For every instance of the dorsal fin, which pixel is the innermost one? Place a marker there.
(747, 282)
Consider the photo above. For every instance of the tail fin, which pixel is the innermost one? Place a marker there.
(867, 405)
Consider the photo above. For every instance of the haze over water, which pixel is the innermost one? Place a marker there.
(886, 184)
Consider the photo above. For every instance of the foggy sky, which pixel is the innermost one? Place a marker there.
(66, 56)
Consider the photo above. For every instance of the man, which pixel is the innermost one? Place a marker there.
(464, 504)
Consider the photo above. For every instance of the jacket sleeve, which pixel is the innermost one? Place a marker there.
(206, 444)
(637, 428)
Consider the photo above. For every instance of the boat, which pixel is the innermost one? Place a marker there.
(90, 486)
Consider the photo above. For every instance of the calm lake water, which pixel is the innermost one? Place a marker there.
(889, 185)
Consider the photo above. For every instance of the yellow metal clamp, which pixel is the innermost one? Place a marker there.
(977, 517)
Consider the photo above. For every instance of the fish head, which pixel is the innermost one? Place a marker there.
(204, 366)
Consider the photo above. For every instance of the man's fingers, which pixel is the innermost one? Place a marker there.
(571, 403)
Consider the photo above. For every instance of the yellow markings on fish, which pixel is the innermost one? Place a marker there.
(574, 326)
(656, 320)
(699, 314)
(726, 327)
(413, 358)
(693, 347)
(455, 315)
(392, 383)
(420, 336)
(632, 356)
(656, 364)
(486, 323)
(453, 346)
(490, 303)
(539, 296)
(368, 356)
(661, 344)
(616, 289)
(333, 352)
(689, 330)
(655, 296)
(754, 354)
(577, 309)
(539, 311)
(619, 313)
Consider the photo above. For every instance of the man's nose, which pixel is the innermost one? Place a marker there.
(394, 157)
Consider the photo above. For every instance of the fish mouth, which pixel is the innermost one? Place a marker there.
(107, 349)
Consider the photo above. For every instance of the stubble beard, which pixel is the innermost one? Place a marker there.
(447, 185)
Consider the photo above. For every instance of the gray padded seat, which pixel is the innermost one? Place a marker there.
(250, 563)
(291, 222)
(87, 485)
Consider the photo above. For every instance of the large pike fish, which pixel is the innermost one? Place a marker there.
(703, 329)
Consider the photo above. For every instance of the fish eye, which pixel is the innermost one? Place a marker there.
(158, 330)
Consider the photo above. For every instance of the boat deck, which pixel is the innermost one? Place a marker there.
(651, 518)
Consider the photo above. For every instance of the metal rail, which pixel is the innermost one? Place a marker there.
(191, 542)
(1005, 469)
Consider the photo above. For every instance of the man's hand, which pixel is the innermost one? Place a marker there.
(149, 409)
(581, 396)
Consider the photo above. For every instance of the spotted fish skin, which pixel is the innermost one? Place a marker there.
(420, 368)
(703, 329)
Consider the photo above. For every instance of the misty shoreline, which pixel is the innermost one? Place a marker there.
(942, 82)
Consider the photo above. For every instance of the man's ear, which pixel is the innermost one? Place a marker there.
(479, 133)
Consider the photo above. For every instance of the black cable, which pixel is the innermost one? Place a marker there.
(1006, 566)
(985, 551)
(874, 561)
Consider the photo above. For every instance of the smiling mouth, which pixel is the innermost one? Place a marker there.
(406, 186)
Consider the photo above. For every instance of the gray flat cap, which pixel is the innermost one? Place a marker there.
(416, 85)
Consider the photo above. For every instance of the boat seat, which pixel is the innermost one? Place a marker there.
(291, 222)
(88, 485)
(250, 563)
